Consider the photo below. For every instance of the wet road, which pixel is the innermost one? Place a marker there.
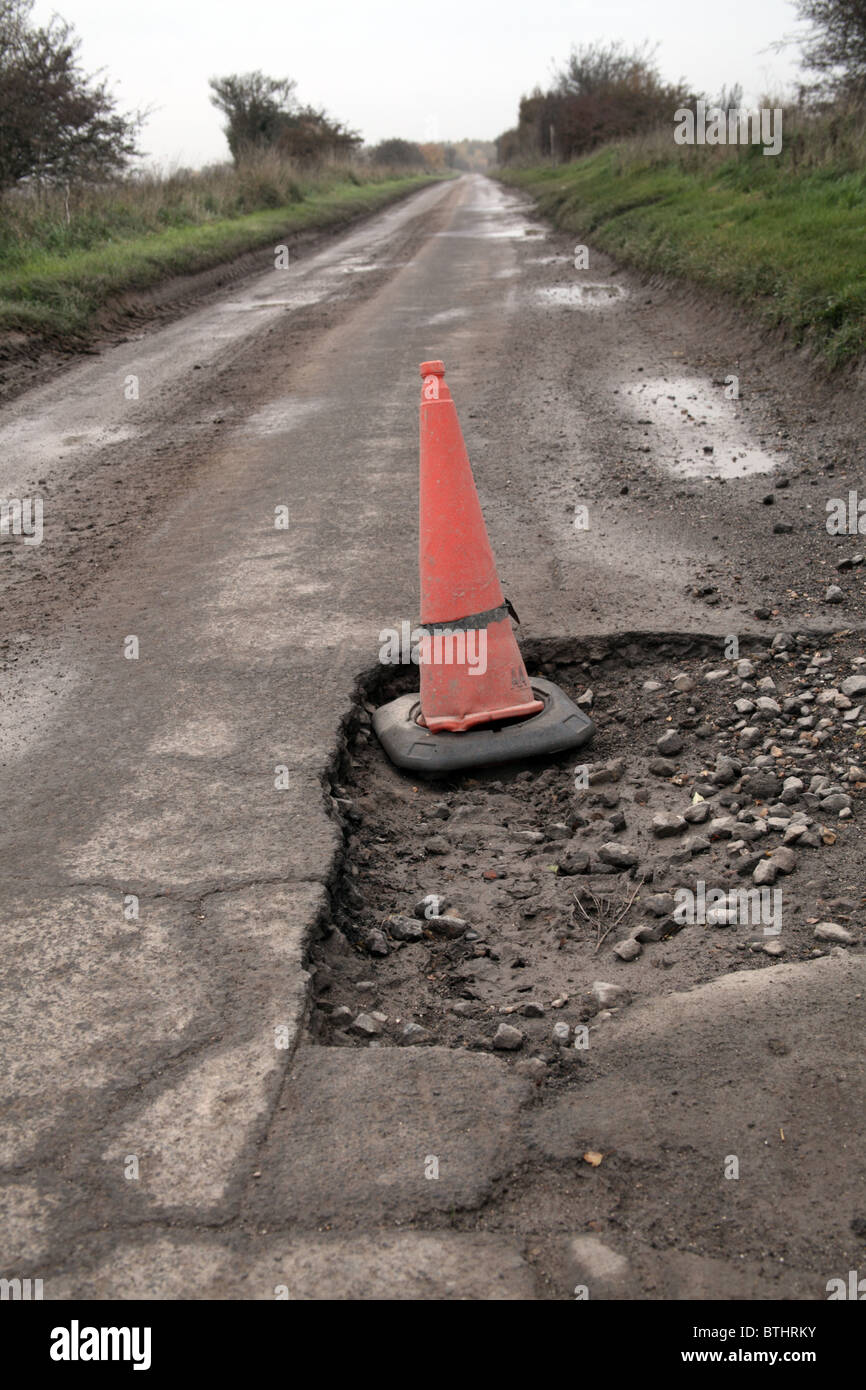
(220, 554)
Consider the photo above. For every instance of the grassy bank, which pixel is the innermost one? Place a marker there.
(785, 234)
(63, 257)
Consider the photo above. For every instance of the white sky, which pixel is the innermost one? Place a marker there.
(441, 70)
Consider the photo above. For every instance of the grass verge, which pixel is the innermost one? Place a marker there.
(786, 235)
(56, 293)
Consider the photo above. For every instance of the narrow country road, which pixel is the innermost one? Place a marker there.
(223, 543)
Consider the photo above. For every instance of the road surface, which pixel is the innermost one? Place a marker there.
(230, 512)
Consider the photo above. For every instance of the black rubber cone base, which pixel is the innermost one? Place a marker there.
(554, 729)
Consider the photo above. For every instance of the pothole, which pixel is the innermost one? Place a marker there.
(709, 828)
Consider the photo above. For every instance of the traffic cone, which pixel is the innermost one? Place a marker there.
(471, 669)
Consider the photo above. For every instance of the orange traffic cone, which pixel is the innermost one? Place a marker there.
(471, 669)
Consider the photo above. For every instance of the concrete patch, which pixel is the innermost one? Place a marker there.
(764, 1100)
(228, 981)
(598, 1268)
(24, 1220)
(402, 1265)
(357, 1133)
(586, 1263)
(405, 1265)
(192, 1134)
(90, 1000)
(166, 1268)
(190, 1137)
(247, 826)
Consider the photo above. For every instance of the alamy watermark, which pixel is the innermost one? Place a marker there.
(444, 646)
(22, 516)
(20, 1290)
(751, 907)
(77, 1343)
(854, 1289)
(714, 125)
(846, 516)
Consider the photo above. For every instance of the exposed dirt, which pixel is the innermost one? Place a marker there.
(505, 896)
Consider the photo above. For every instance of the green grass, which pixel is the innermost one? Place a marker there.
(785, 235)
(57, 272)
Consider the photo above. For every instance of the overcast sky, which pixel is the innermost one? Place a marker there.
(441, 70)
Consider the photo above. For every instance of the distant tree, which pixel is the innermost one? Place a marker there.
(509, 146)
(433, 155)
(309, 135)
(56, 122)
(603, 92)
(835, 48)
(606, 91)
(397, 154)
(261, 113)
(254, 107)
(594, 68)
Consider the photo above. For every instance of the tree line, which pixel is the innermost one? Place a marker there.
(609, 91)
(59, 124)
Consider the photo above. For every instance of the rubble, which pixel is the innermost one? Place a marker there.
(542, 874)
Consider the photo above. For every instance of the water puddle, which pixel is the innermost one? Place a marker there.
(279, 417)
(98, 437)
(583, 296)
(64, 446)
(301, 298)
(493, 228)
(694, 431)
(492, 214)
(447, 316)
